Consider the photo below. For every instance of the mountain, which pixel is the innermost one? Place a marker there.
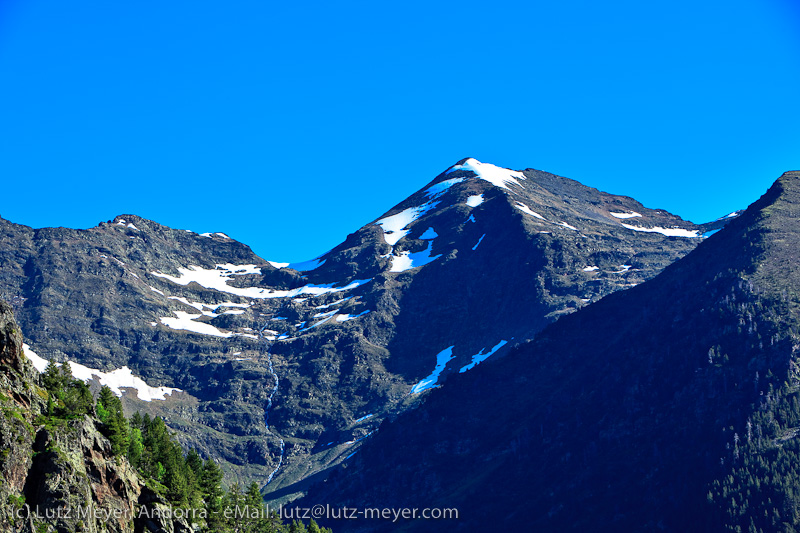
(71, 462)
(673, 405)
(280, 370)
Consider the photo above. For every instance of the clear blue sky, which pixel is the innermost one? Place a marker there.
(289, 125)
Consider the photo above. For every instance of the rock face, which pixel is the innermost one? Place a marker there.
(20, 400)
(61, 477)
(75, 470)
(284, 368)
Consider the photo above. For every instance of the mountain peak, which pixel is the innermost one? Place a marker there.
(497, 176)
(128, 220)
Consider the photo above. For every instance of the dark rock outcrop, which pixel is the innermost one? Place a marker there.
(61, 475)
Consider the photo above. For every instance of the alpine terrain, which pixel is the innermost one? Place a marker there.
(673, 405)
(281, 371)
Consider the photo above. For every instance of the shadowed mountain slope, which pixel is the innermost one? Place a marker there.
(672, 406)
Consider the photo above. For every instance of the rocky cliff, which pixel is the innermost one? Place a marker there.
(61, 475)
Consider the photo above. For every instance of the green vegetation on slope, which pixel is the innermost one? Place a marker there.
(186, 481)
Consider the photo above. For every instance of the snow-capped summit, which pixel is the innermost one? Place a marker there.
(478, 260)
(497, 176)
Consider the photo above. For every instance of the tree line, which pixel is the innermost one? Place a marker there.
(185, 480)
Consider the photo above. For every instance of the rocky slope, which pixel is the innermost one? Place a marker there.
(671, 406)
(283, 369)
(61, 475)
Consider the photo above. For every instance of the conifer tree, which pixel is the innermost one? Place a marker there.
(136, 447)
(51, 377)
(109, 410)
(195, 463)
(211, 488)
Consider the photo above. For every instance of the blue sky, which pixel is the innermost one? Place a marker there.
(289, 126)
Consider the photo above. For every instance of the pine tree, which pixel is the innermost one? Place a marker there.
(195, 463)
(159, 471)
(77, 398)
(234, 507)
(106, 399)
(175, 481)
(210, 486)
(136, 421)
(297, 527)
(253, 495)
(51, 378)
(102, 412)
(65, 376)
(136, 447)
(109, 410)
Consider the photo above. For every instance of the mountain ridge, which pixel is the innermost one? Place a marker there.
(278, 367)
(622, 416)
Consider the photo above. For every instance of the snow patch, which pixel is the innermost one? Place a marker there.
(316, 324)
(567, 226)
(345, 318)
(217, 279)
(475, 200)
(325, 306)
(209, 309)
(186, 322)
(39, 363)
(122, 378)
(669, 232)
(116, 380)
(730, 215)
(363, 418)
(479, 241)
(525, 209)
(441, 362)
(407, 261)
(632, 214)
(591, 268)
(438, 188)
(497, 176)
(394, 226)
(328, 313)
